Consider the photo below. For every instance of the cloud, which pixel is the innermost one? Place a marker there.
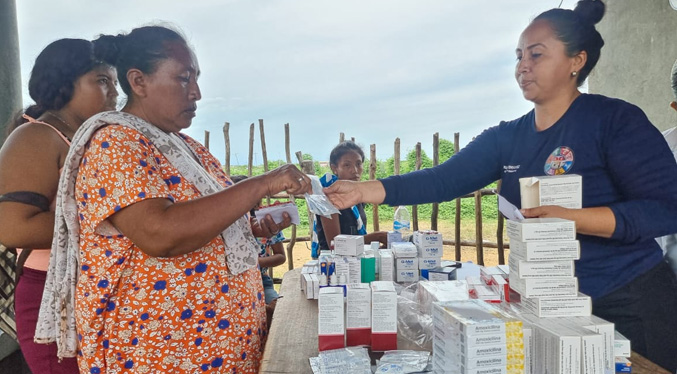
(375, 69)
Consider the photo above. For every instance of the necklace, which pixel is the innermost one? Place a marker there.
(68, 125)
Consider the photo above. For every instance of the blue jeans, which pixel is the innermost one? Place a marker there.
(268, 289)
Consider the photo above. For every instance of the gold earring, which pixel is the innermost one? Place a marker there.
(574, 73)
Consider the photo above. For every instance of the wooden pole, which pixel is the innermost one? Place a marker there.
(372, 176)
(292, 240)
(251, 150)
(264, 152)
(352, 139)
(342, 137)
(287, 148)
(478, 228)
(207, 139)
(436, 161)
(396, 157)
(226, 138)
(499, 232)
(457, 219)
(307, 167)
(414, 208)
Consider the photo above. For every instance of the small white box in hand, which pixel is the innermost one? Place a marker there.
(563, 190)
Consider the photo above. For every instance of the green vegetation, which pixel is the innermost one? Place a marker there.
(384, 169)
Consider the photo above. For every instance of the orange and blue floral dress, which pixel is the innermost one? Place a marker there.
(141, 314)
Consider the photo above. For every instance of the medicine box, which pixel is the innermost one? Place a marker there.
(404, 249)
(560, 306)
(544, 287)
(383, 316)
(550, 250)
(358, 314)
(386, 270)
(331, 326)
(540, 269)
(348, 245)
(563, 190)
(541, 229)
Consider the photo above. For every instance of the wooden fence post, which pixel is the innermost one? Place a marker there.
(264, 152)
(457, 219)
(414, 208)
(307, 167)
(478, 228)
(226, 138)
(207, 139)
(342, 137)
(372, 176)
(436, 161)
(251, 150)
(499, 231)
(292, 240)
(396, 157)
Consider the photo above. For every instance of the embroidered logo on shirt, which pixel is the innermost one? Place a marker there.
(507, 169)
(559, 162)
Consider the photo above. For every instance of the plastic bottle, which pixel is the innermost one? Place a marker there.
(402, 221)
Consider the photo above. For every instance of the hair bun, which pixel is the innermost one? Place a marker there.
(108, 47)
(592, 11)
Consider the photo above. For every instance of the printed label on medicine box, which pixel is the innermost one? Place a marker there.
(540, 269)
(562, 306)
(541, 229)
(406, 263)
(546, 250)
(404, 249)
(544, 287)
(428, 239)
(429, 263)
(407, 276)
(428, 252)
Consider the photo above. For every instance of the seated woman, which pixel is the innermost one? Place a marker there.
(346, 162)
(155, 260)
(70, 82)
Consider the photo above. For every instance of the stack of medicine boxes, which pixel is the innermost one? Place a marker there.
(430, 248)
(474, 337)
(541, 261)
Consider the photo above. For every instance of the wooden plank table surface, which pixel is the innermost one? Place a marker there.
(293, 336)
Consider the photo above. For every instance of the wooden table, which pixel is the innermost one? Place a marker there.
(293, 336)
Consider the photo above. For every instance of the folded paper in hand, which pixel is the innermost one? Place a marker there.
(276, 211)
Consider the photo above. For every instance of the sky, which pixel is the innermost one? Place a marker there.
(375, 70)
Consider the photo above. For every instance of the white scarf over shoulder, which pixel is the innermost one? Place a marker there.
(56, 322)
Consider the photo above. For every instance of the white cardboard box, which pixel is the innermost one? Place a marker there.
(386, 271)
(348, 245)
(563, 190)
(406, 276)
(404, 249)
(383, 316)
(621, 345)
(430, 252)
(544, 287)
(358, 314)
(430, 291)
(546, 250)
(541, 229)
(540, 269)
(561, 306)
(429, 263)
(428, 238)
(331, 323)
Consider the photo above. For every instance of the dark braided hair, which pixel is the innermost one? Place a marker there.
(576, 29)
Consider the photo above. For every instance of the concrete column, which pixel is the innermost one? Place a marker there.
(640, 48)
(10, 69)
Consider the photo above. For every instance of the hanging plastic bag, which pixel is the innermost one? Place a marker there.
(318, 203)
